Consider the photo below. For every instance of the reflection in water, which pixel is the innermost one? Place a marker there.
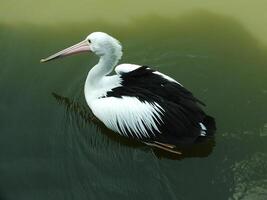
(73, 106)
(81, 115)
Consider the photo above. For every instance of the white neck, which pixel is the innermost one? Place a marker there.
(102, 68)
(97, 82)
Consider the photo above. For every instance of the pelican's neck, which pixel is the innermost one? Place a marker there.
(102, 68)
(97, 82)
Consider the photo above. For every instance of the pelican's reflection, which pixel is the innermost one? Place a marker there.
(81, 116)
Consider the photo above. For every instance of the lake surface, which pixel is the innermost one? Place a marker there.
(51, 147)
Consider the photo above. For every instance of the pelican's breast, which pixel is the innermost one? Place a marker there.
(98, 89)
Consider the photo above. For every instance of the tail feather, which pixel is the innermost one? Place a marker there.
(209, 123)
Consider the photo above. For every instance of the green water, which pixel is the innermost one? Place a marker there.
(51, 149)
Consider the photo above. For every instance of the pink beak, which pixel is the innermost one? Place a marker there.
(83, 46)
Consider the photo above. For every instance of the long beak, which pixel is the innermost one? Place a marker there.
(77, 48)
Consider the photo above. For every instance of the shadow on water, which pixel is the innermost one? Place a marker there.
(213, 56)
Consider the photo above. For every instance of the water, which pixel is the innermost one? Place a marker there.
(51, 147)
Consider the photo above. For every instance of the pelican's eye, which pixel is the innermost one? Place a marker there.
(89, 40)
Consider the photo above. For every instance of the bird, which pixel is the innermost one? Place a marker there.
(139, 102)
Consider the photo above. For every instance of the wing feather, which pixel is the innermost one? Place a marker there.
(128, 116)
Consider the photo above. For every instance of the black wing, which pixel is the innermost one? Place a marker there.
(183, 114)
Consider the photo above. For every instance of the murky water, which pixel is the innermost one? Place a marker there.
(51, 147)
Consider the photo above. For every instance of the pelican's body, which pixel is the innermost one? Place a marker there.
(139, 102)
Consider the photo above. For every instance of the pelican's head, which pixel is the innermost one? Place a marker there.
(98, 42)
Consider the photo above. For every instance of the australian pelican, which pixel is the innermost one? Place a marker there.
(139, 102)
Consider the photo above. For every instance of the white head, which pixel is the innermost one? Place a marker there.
(99, 43)
(103, 44)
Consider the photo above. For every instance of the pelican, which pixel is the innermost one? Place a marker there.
(138, 102)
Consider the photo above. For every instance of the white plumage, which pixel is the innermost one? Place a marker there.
(128, 113)
(126, 68)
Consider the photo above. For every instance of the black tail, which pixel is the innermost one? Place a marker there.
(210, 124)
